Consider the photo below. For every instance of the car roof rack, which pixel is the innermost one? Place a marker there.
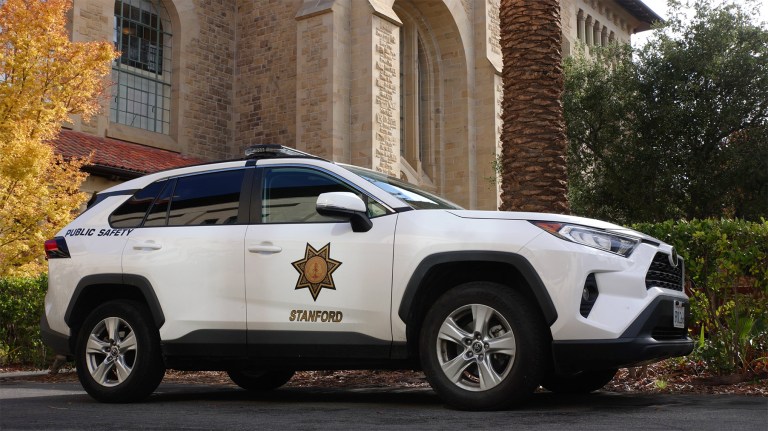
(271, 151)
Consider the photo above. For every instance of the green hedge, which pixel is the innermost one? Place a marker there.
(21, 305)
(726, 264)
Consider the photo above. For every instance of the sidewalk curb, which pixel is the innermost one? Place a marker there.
(17, 374)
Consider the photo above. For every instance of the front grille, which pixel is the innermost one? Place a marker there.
(663, 274)
(669, 333)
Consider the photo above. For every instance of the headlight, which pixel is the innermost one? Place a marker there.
(623, 245)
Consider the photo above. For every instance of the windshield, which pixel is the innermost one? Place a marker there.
(414, 197)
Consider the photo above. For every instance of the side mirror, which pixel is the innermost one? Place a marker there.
(345, 205)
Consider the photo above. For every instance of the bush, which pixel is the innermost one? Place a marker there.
(726, 266)
(21, 305)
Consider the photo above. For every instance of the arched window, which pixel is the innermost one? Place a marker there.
(141, 96)
(416, 98)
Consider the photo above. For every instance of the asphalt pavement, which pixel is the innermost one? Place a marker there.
(28, 405)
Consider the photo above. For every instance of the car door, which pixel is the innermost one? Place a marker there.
(315, 288)
(189, 248)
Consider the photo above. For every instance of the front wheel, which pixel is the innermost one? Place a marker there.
(262, 380)
(118, 353)
(483, 347)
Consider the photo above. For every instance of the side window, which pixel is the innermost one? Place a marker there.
(290, 195)
(132, 212)
(206, 199)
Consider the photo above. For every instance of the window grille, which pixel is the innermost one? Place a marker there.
(141, 96)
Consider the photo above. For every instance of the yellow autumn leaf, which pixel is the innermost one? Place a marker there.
(44, 79)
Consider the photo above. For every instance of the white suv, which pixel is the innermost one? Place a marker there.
(284, 261)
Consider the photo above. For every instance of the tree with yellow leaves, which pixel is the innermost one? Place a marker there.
(44, 79)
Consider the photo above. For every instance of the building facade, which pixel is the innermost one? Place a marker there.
(411, 88)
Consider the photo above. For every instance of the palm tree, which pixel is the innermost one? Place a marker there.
(533, 172)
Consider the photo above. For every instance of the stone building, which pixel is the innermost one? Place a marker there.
(407, 87)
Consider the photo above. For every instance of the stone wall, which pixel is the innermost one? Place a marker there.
(203, 75)
(324, 76)
(208, 63)
(386, 126)
(265, 88)
(92, 20)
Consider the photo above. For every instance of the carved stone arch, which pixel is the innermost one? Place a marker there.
(435, 104)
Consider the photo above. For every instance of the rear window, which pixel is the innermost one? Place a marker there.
(205, 199)
(132, 212)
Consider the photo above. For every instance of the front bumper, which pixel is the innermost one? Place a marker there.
(652, 337)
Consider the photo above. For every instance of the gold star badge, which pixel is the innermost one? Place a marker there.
(316, 269)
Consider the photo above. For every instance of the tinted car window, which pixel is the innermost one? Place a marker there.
(290, 195)
(132, 212)
(206, 199)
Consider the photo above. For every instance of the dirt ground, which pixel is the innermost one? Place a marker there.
(663, 377)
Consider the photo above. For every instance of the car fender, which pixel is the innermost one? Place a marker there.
(520, 263)
(118, 281)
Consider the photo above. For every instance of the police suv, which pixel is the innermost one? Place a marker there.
(284, 261)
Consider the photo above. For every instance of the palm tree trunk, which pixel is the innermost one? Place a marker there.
(533, 176)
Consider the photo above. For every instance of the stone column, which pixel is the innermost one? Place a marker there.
(596, 33)
(589, 32)
(580, 28)
(92, 21)
(375, 94)
(488, 118)
(323, 79)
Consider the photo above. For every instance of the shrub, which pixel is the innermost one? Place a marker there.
(726, 265)
(21, 305)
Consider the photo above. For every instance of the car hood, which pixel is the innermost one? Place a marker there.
(529, 216)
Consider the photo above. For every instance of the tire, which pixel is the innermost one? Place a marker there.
(260, 380)
(582, 382)
(118, 354)
(483, 347)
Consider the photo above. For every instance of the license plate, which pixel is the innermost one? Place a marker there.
(678, 314)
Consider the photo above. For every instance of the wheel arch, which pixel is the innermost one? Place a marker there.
(438, 273)
(96, 289)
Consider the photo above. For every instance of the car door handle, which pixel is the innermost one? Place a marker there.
(265, 248)
(147, 245)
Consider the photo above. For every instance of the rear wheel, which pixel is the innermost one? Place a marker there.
(578, 383)
(263, 380)
(118, 353)
(483, 347)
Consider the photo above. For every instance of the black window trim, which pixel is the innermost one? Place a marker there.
(172, 185)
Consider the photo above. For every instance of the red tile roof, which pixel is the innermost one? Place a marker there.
(132, 160)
